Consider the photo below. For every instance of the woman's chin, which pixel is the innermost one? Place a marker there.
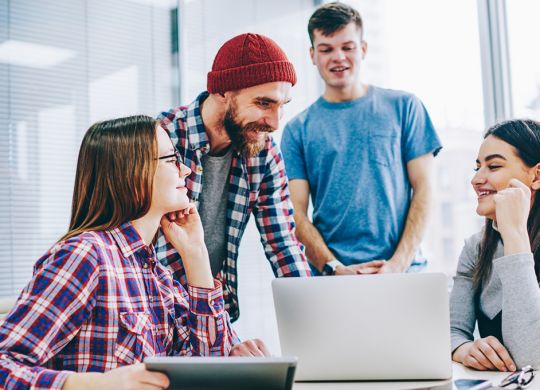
(482, 212)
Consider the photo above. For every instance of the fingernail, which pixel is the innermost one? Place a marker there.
(513, 368)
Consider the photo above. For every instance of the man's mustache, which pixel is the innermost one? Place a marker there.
(258, 127)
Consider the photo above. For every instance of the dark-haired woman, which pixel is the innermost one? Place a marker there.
(496, 285)
(98, 302)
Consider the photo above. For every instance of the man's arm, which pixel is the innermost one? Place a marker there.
(419, 171)
(317, 251)
(273, 213)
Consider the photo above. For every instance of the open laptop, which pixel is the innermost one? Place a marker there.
(365, 327)
(226, 373)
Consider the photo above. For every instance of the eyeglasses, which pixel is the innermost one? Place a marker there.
(177, 155)
(519, 379)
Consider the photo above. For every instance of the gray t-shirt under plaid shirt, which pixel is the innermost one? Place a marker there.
(213, 206)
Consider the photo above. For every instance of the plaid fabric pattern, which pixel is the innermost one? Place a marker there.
(100, 300)
(257, 185)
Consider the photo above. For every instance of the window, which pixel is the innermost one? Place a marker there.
(524, 58)
(63, 66)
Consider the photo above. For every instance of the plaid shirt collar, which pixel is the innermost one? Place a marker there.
(129, 240)
(198, 139)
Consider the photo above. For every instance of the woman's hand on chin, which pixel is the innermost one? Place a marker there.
(183, 229)
(512, 207)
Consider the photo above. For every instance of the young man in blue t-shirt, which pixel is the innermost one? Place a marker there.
(364, 154)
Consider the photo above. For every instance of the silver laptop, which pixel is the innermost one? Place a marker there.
(226, 373)
(366, 327)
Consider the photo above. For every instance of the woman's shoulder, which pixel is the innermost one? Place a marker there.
(473, 241)
(84, 248)
(470, 251)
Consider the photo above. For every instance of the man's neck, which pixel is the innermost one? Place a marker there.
(212, 114)
(338, 95)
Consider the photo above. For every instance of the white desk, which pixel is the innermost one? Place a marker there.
(458, 371)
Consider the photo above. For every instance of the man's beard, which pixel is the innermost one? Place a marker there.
(239, 134)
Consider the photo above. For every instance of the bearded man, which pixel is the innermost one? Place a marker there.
(224, 136)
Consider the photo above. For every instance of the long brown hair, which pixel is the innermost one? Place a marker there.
(115, 174)
(524, 135)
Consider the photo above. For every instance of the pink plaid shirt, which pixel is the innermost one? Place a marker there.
(100, 300)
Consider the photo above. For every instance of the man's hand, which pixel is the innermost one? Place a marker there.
(371, 267)
(485, 354)
(391, 267)
(253, 347)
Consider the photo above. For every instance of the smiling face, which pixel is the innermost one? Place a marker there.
(169, 192)
(253, 113)
(497, 163)
(338, 56)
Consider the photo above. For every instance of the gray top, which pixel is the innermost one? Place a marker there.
(512, 288)
(213, 206)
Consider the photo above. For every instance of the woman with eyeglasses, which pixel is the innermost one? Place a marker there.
(98, 302)
(497, 279)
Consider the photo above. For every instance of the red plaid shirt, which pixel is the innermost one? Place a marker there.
(100, 300)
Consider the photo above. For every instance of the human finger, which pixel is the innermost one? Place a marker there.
(480, 357)
(516, 183)
(491, 355)
(502, 352)
(262, 347)
(368, 270)
(253, 349)
(470, 361)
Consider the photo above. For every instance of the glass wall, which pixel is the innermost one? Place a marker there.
(524, 57)
(63, 66)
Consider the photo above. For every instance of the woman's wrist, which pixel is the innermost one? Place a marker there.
(516, 241)
(196, 252)
(461, 351)
(197, 265)
(83, 381)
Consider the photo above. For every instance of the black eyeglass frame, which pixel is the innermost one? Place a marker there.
(176, 154)
(518, 379)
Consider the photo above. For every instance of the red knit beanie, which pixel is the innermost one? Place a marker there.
(247, 60)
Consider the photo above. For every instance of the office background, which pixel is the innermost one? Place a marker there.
(66, 64)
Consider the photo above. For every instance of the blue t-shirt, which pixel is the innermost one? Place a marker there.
(354, 155)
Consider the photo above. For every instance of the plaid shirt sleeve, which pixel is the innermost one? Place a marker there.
(274, 217)
(48, 314)
(210, 330)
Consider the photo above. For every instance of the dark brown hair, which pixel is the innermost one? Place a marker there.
(115, 174)
(524, 136)
(332, 17)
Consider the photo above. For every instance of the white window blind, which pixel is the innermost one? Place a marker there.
(63, 66)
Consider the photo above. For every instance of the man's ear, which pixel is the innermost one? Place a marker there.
(363, 47)
(220, 97)
(311, 54)
(536, 181)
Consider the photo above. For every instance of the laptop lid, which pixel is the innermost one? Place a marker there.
(226, 373)
(366, 327)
